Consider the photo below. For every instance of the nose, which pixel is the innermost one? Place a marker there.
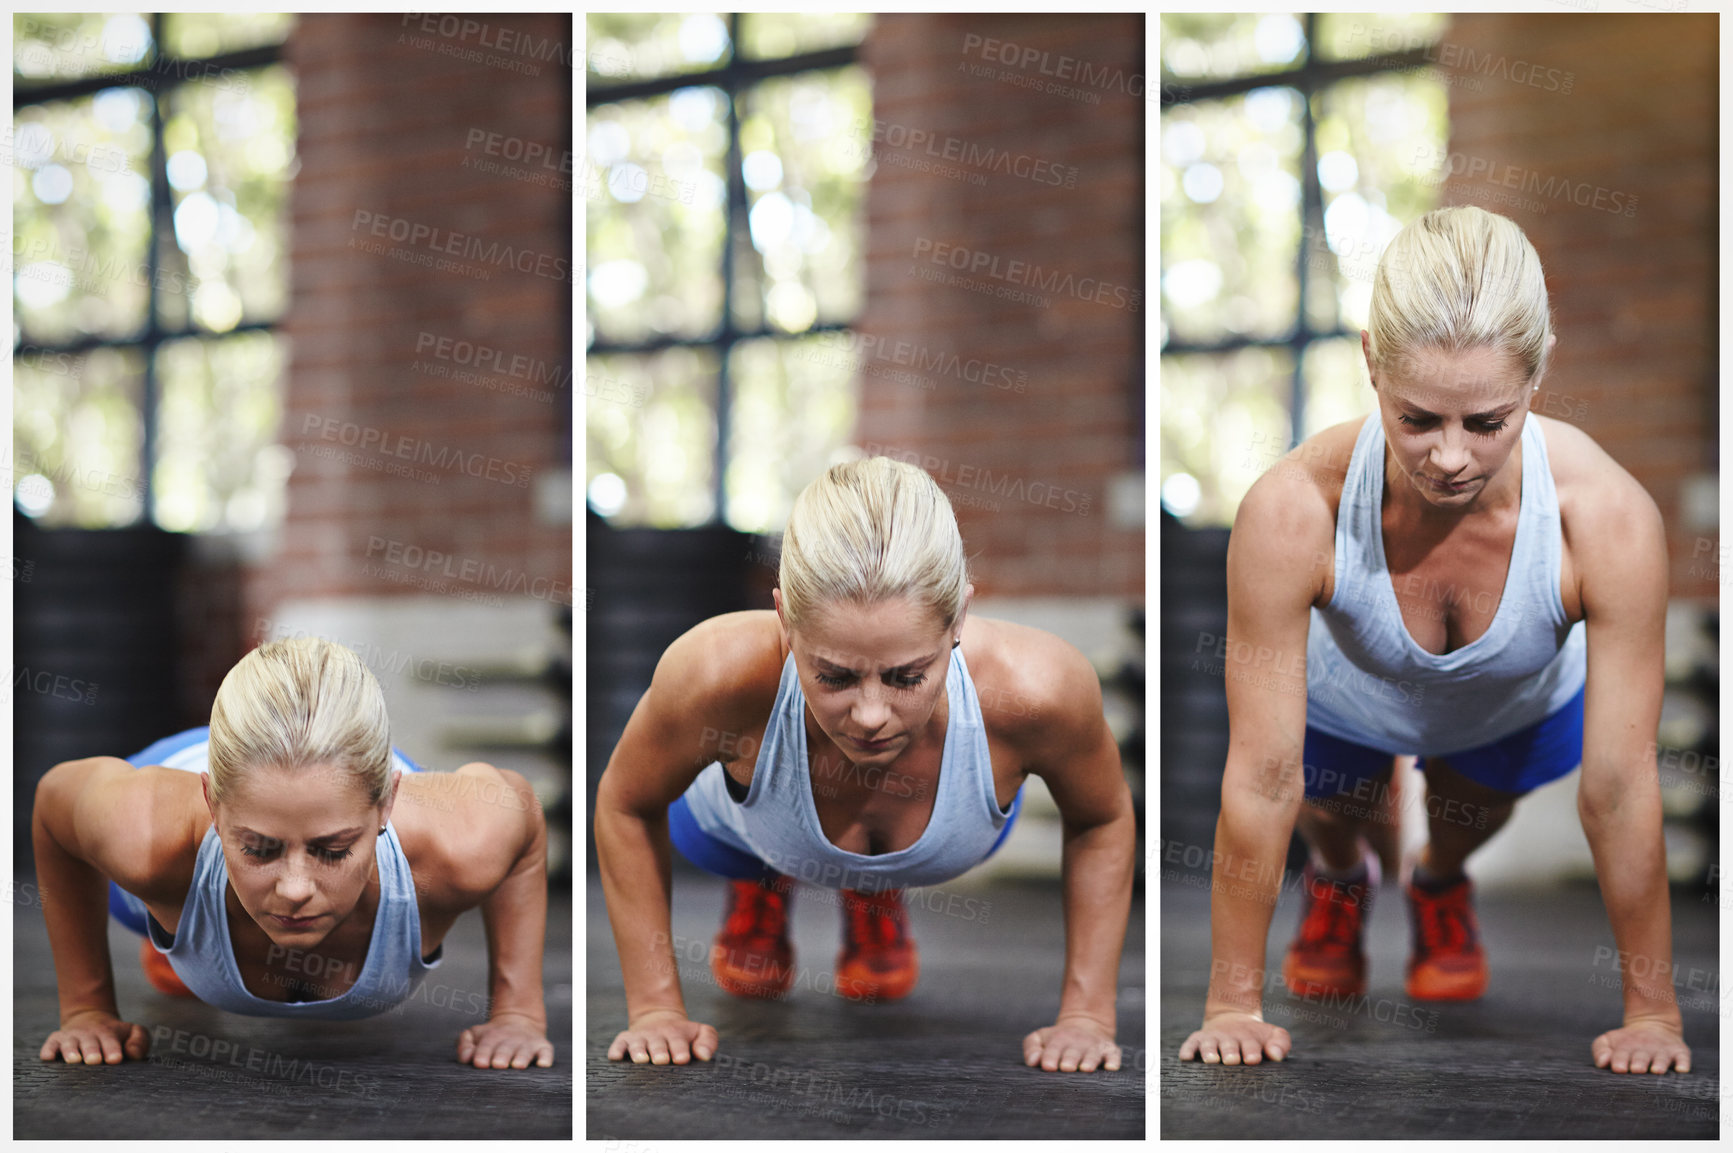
(1450, 454)
(869, 713)
(295, 885)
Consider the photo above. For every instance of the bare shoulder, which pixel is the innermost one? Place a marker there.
(1285, 529)
(721, 666)
(141, 828)
(1602, 507)
(1029, 681)
(1611, 526)
(462, 832)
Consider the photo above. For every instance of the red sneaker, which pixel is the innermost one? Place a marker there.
(751, 956)
(878, 962)
(159, 972)
(1326, 957)
(1448, 963)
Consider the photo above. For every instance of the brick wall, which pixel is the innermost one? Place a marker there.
(421, 396)
(1031, 190)
(1605, 154)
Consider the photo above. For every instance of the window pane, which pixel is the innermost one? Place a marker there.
(794, 406)
(1356, 35)
(764, 35)
(805, 183)
(1208, 46)
(654, 220)
(1378, 139)
(637, 46)
(81, 210)
(218, 463)
(651, 437)
(191, 35)
(77, 437)
(1230, 222)
(1224, 421)
(1336, 385)
(230, 144)
(54, 46)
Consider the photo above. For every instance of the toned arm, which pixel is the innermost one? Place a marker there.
(704, 690)
(1281, 538)
(1067, 744)
(97, 820)
(1620, 549)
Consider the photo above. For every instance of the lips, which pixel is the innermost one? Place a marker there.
(294, 922)
(873, 746)
(1448, 486)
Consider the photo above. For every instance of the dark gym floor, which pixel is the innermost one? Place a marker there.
(212, 1074)
(946, 1062)
(1513, 1064)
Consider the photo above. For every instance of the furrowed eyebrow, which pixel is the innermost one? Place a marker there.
(919, 662)
(1491, 414)
(326, 839)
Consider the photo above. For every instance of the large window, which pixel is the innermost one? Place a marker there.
(724, 176)
(1293, 149)
(151, 161)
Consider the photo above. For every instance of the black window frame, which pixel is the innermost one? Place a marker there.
(157, 78)
(733, 78)
(1308, 78)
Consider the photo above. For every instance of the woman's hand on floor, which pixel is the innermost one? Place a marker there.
(662, 1037)
(1642, 1046)
(1236, 1038)
(1072, 1044)
(95, 1037)
(507, 1041)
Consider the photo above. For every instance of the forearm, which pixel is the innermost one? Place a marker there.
(1246, 877)
(515, 916)
(1098, 867)
(1624, 834)
(635, 856)
(75, 907)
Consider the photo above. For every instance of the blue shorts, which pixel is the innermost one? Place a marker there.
(122, 905)
(1545, 751)
(719, 857)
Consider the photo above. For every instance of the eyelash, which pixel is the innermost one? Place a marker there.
(839, 682)
(330, 858)
(1485, 427)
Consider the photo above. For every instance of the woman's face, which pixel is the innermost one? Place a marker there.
(1452, 420)
(299, 845)
(872, 674)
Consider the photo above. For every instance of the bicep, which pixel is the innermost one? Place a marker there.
(672, 734)
(1076, 755)
(129, 824)
(1624, 611)
(1272, 581)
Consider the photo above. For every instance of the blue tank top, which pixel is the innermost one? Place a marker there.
(200, 952)
(778, 822)
(1368, 681)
